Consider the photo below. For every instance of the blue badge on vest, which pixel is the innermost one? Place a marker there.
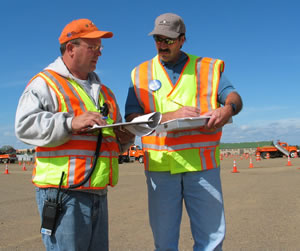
(154, 85)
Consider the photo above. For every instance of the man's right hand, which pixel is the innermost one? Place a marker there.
(87, 119)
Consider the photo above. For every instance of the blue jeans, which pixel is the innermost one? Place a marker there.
(202, 195)
(82, 223)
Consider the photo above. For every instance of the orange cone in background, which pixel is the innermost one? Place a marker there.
(24, 167)
(257, 157)
(19, 163)
(234, 170)
(289, 162)
(250, 164)
(6, 169)
(268, 155)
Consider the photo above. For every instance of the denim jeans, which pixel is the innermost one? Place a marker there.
(202, 195)
(81, 225)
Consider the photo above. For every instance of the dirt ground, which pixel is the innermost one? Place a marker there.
(262, 208)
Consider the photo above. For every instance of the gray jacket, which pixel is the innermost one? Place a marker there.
(38, 121)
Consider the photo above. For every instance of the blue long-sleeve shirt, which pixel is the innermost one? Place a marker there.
(174, 70)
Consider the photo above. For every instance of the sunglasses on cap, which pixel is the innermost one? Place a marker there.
(165, 40)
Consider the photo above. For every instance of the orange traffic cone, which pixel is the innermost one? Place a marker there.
(24, 167)
(250, 164)
(289, 162)
(20, 163)
(6, 169)
(257, 157)
(234, 170)
(268, 155)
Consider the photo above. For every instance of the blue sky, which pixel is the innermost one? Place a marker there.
(258, 40)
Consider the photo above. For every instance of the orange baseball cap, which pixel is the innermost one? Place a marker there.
(82, 28)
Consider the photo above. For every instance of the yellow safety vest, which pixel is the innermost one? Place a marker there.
(181, 150)
(75, 157)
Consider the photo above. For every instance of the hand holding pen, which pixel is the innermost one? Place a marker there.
(182, 112)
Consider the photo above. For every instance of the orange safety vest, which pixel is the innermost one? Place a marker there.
(181, 150)
(75, 157)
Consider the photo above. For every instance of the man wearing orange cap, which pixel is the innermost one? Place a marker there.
(183, 165)
(74, 166)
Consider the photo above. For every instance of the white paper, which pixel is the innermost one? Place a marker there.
(139, 126)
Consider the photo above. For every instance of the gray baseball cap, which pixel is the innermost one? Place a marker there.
(169, 25)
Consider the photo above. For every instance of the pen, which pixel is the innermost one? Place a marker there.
(176, 103)
(104, 117)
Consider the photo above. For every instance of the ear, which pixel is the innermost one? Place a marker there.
(181, 41)
(70, 49)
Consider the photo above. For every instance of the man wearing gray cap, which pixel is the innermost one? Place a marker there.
(183, 164)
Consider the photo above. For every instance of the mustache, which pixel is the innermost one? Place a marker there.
(164, 50)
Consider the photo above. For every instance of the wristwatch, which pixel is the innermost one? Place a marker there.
(233, 107)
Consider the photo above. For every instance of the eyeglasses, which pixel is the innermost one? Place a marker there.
(93, 48)
(168, 41)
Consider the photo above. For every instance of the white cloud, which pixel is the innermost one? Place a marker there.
(284, 130)
(8, 133)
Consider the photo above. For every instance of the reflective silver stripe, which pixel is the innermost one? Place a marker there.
(73, 90)
(84, 137)
(88, 166)
(191, 133)
(138, 85)
(73, 168)
(64, 153)
(61, 89)
(210, 83)
(182, 146)
(150, 93)
(160, 134)
(72, 171)
(110, 93)
(155, 147)
(212, 157)
(67, 100)
(92, 138)
(203, 160)
(198, 67)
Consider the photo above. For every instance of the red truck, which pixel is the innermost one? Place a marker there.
(133, 153)
(278, 149)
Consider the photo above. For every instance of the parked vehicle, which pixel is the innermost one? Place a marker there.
(8, 158)
(133, 153)
(278, 149)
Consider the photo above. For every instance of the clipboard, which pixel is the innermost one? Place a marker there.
(184, 123)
